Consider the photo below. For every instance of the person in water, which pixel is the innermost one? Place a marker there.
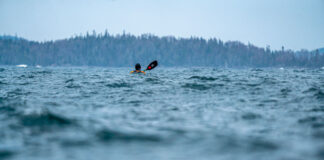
(137, 69)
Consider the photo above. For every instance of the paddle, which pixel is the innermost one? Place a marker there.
(151, 65)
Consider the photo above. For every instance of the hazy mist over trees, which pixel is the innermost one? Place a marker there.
(126, 50)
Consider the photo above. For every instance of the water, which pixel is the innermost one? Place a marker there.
(170, 113)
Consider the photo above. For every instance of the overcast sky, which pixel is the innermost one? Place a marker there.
(295, 24)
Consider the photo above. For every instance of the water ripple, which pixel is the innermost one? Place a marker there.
(191, 113)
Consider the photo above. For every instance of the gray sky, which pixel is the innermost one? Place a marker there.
(295, 24)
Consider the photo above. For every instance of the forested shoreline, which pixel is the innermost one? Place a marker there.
(126, 50)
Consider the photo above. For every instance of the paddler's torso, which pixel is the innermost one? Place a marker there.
(137, 71)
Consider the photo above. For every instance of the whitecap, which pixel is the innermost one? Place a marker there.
(22, 65)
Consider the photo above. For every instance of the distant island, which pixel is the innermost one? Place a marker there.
(126, 50)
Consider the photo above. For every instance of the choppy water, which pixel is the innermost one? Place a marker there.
(170, 113)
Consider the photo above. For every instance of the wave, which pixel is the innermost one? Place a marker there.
(256, 145)
(285, 91)
(299, 70)
(317, 110)
(319, 134)
(22, 65)
(69, 80)
(4, 154)
(257, 69)
(316, 91)
(24, 83)
(3, 83)
(72, 86)
(251, 116)
(118, 85)
(107, 135)
(46, 119)
(253, 84)
(308, 120)
(33, 74)
(314, 121)
(203, 78)
(26, 76)
(269, 101)
(311, 89)
(270, 81)
(196, 86)
(9, 106)
(74, 143)
(17, 92)
(153, 80)
(42, 72)
(319, 95)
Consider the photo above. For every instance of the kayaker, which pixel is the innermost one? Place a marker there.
(137, 69)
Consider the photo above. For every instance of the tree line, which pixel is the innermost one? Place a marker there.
(126, 50)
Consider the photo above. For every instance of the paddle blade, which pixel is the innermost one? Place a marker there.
(152, 65)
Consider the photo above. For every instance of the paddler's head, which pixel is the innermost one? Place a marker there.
(137, 67)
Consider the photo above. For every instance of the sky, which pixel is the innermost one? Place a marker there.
(294, 24)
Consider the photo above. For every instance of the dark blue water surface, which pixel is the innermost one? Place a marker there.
(67, 113)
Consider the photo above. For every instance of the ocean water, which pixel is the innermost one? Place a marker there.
(66, 113)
